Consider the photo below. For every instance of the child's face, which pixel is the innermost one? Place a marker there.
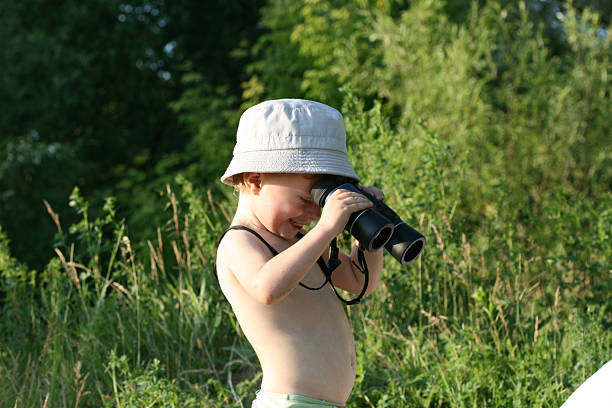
(284, 204)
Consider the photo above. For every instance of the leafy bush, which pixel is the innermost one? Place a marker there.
(486, 138)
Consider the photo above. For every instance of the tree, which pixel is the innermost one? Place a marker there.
(86, 88)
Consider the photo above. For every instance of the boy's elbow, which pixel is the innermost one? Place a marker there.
(269, 299)
(370, 289)
(263, 296)
(267, 296)
(274, 296)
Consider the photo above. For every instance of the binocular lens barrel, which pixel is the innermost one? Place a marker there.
(370, 228)
(377, 226)
(405, 244)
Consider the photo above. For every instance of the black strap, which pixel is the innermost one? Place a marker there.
(334, 261)
(243, 228)
(326, 268)
(363, 268)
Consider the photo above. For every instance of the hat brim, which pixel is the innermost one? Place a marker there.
(295, 161)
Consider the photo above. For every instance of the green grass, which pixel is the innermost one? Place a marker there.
(489, 141)
(473, 323)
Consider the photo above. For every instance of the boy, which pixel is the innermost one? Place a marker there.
(302, 337)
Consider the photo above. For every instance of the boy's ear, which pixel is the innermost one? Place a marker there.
(252, 182)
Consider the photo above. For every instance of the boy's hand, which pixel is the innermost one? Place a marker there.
(339, 207)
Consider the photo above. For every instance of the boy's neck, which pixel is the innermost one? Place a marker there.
(245, 215)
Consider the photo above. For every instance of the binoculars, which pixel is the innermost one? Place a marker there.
(374, 227)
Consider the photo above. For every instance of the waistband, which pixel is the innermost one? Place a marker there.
(290, 401)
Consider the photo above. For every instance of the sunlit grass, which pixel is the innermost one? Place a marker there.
(110, 323)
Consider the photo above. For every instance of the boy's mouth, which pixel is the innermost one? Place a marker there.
(296, 225)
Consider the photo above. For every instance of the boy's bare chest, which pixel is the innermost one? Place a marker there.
(314, 279)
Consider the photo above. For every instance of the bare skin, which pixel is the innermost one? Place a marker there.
(302, 338)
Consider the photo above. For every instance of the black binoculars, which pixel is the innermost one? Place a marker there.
(376, 226)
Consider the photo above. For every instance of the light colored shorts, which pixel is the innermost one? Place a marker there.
(272, 400)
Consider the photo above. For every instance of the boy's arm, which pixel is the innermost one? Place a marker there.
(270, 279)
(267, 278)
(350, 278)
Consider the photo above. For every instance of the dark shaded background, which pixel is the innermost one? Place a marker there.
(117, 98)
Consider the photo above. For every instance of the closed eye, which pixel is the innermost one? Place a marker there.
(306, 200)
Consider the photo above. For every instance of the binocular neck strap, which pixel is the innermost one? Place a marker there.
(363, 268)
(333, 263)
(326, 268)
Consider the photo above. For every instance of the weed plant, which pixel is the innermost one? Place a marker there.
(494, 147)
(501, 315)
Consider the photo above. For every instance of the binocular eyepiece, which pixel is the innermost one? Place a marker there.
(374, 227)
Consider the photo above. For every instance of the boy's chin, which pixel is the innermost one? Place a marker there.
(289, 233)
(296, 226)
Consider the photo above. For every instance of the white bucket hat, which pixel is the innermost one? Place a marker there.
(290, 136)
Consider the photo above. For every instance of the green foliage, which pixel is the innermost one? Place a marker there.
(79, 89)
(23, 161)
(87, 87)
(278, 67)
(17, 288)
(145, 389)
(486, 124)
(210, 116)
(98, 296)
(466, 330)
(531, 119)
(439, 333)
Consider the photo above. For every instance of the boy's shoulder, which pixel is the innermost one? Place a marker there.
(241, 244)
(239, 235)
(236, 242)
(240, 255)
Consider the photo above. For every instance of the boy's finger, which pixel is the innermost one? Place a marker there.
(375, 191)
